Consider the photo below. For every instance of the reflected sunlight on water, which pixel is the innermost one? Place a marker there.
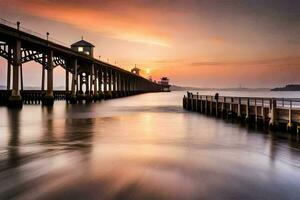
(141, 147)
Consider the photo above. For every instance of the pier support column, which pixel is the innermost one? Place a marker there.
(67, 81)
(255, 111)
(49, 98)
(73, 98)
(262, 111)
(217, 102)
(100, 82)
(8, 68)
(201, 106)
(239, 114)
(43, 72)
(247, 108)
(21, 77)
(211, 105)
(94, 81)
(15, 100)
(105, 81)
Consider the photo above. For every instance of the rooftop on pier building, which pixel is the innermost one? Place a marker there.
(135, 70)
(83, 46)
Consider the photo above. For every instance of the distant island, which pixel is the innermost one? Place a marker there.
(290, 87)
(183, 88)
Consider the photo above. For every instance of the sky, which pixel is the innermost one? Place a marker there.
(204, 43)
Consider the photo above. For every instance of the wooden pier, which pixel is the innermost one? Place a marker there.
(274, 113)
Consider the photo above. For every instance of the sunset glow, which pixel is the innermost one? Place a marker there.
(195, 43)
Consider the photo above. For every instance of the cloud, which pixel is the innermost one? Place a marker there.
(125, 23)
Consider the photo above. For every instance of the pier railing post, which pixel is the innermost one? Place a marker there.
(273, 111)
(290, 123)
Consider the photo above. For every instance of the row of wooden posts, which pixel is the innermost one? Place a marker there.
(275, 113)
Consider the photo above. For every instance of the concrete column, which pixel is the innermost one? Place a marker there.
(9, 68)
(80, 82)
(49, 98)
(109, 80)
(21, 76)
(15, 99)
(50, 73)
(95, 77)
(247, 108)
(16, 66)
(239, 107)
(115, 82)
(43, 72)
(104, 79)
(75, 77)
(100, 79)
(67, 80)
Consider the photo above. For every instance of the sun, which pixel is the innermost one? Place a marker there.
(148, 71)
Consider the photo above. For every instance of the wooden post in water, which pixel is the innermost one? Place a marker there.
(201, 106)
(217, 102)
(197, 96)
(262, 111)
(273, 112)
(223, 106)
(290, 123)
(247, 108)
(239, 108)
(255, 111)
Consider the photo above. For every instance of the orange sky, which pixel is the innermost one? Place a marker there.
(209, 43)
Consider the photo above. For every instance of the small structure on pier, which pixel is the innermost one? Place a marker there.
(164, 82)
(136, 71)
(83, 46)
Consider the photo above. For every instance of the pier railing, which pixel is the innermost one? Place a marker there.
(271, 111)
(285, 103)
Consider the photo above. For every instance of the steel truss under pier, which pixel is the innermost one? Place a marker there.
(275, 113)
(101, 80)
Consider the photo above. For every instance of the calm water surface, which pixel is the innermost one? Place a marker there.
(141, 147)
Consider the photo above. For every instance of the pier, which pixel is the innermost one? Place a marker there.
(274, 113)
(101, 80)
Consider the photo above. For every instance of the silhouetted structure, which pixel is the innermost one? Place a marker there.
(101, 80)
(165, 86)
(136, 71)
(279, 113)
(83, 46)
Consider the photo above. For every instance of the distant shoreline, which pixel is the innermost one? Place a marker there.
(182, 88)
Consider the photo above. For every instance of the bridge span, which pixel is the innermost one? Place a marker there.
(102, 80)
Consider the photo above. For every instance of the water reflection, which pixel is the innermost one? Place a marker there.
(143, 147)
(13, 145)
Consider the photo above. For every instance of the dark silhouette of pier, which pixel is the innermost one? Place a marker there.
(102, 80)
(274, 113)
